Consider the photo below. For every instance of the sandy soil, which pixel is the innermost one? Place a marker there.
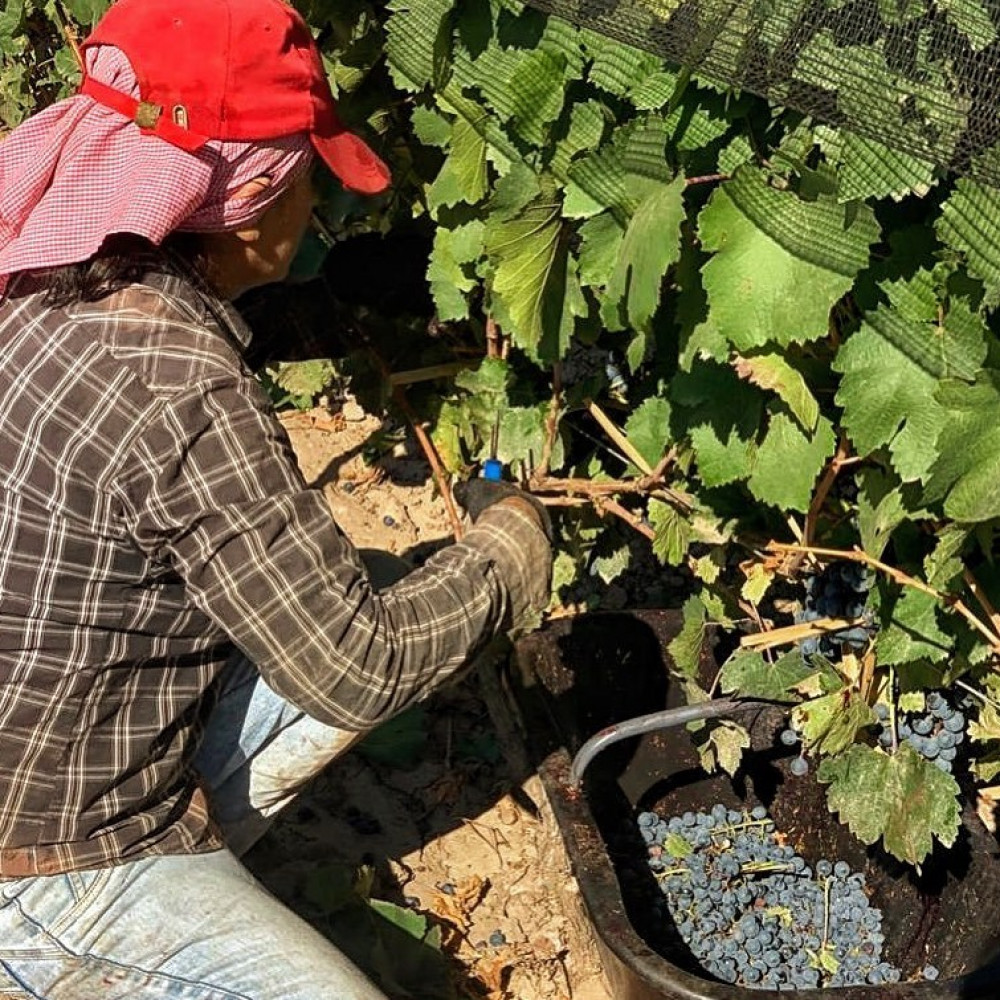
(428, 812)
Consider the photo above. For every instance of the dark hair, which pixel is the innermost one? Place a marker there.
(123, 259)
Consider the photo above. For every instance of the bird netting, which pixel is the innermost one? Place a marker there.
(920, 76)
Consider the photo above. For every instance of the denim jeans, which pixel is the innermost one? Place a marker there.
(192, 927)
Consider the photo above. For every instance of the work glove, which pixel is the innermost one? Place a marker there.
(476, 495)
(515, 531)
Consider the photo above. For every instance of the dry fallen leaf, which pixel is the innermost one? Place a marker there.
(986, 807)
(456, 907)
(508, 811)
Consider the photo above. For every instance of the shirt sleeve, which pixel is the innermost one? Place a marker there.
(217, 494)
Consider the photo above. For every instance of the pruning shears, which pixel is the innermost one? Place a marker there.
(493, 467)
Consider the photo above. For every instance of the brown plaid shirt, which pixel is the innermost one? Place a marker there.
(151, 515)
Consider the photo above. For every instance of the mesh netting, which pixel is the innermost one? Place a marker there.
(920, 76)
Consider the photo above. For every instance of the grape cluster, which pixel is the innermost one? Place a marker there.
(839, 591)
(935, 734)
(584, 363)
(754, 913)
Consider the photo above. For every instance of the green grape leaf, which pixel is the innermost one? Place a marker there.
(747, 674)
(609, 563)
(627, 167)
(737, 153)
(536, 92)
(970, 223)
(463, 176)
(893, 364)
(944, 563)
(524, 87)
(788, 461)
(617, 67)
(491, 379)
(650, 246)
(902, 799)
(721, 415)
(913, 632)
(972, 18)
(686, 647)
(780, 262)
(587, 121)
(648, 428)
(600, 247)
(673, 532)
(773, 372)
(831, 723)
(532, 284)
(987, 726)
(447, 276)
(304, 381)
(86, 12)
(655, 91)
(11, 25)
(514, 192)
(431, 127)
(417, 42)
(966, 471)
(923, 111)
(872, 170)
(577, 204)
(451, 428)
(880, 512)
(523, 433)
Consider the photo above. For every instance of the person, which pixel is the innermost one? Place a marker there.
(185, 635)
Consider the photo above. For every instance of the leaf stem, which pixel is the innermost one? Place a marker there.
(705, 179)
(984, 602)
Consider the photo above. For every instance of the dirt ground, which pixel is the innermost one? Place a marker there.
(425, 814)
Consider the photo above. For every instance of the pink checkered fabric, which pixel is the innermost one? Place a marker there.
(78, 172)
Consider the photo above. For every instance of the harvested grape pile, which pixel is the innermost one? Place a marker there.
(754, 913)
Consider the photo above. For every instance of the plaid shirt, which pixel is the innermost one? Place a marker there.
(152, 515)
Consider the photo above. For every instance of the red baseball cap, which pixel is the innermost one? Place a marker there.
(233, 70)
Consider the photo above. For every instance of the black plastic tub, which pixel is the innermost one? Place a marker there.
(579, 675)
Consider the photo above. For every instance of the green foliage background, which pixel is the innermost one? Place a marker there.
(770, 286)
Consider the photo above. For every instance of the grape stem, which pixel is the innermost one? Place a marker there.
(857, 555)
(969, 689)
(841, 458)
(437, 470)
(631, 519)
(551, 426)
(826, 912)
(893, 713)
(497, 342)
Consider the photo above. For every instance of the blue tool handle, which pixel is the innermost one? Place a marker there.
(493, 470)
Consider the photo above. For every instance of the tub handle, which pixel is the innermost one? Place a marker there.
(666, 718)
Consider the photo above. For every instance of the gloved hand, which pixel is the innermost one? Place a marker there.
(515, 531)
(476, 495)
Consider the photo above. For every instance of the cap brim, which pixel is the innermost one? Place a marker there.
(353, 162)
